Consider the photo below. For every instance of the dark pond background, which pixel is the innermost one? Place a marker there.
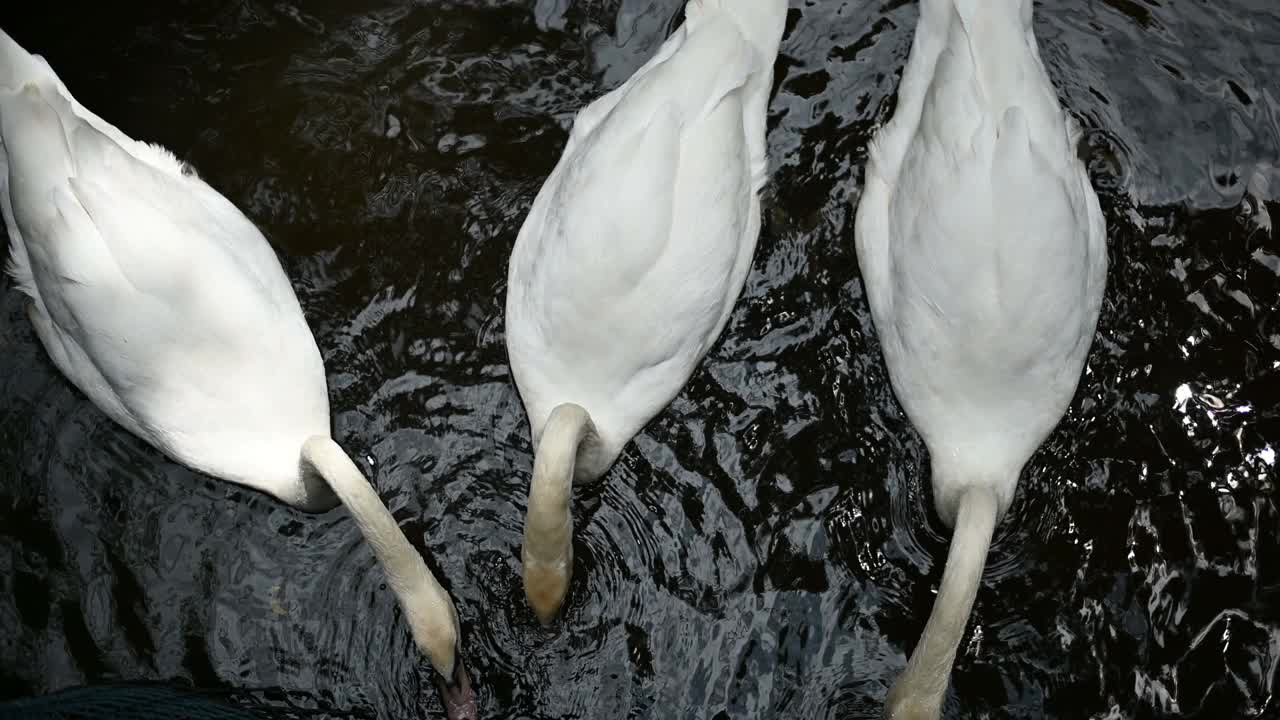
(764, 549)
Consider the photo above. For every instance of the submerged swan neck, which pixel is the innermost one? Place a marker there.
(918, 693)
(567, 449)
(427, 607)
(568, 436)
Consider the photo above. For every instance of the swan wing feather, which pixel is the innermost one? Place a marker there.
(149, 288)
(625, 267)
(980, 239)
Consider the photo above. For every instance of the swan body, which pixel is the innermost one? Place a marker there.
(983, 250)
(167, 308)
(632, 256)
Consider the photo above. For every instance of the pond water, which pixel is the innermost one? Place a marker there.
(765, 548)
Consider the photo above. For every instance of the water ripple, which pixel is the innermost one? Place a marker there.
(767, 547)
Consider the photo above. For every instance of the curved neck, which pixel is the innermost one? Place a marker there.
(919, 692)
(421, 596)
(548, 525)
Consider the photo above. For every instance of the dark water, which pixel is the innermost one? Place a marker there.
(764, 548)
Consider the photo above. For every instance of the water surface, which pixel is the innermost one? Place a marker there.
(765, 548)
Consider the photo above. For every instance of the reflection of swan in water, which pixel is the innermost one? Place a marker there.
(165, 306)
(983, 251)
(632, 257)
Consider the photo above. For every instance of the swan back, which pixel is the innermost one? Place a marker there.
(152, 293)
(638, 244)
(982, 245)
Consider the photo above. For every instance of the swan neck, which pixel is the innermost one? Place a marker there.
(413, 584)
(923, 684)
(568, 434)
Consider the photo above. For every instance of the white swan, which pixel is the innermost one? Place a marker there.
(632, 257)
(983, 250)
(164, 305)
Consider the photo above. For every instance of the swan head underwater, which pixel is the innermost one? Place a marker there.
(547, 560)
(546, 556)
(440, 641)
(569, 451)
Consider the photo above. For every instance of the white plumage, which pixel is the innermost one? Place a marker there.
(982, 248)
(633, 255)
(153, 294)
(164, 305)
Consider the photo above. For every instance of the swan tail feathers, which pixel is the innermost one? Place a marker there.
(731, 77)
(36, 162)
(47, 201)
(762, 22)
(18, 267)
(976, 15)
(19, 67)
(36, 158)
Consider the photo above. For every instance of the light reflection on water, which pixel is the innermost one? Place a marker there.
(764, 548)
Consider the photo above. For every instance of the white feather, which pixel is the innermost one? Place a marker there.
(632, 256)
(153, 293)
(983, 251)
(164, 305)
(638, 244)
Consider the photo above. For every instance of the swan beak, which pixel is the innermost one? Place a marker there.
(456, 694)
